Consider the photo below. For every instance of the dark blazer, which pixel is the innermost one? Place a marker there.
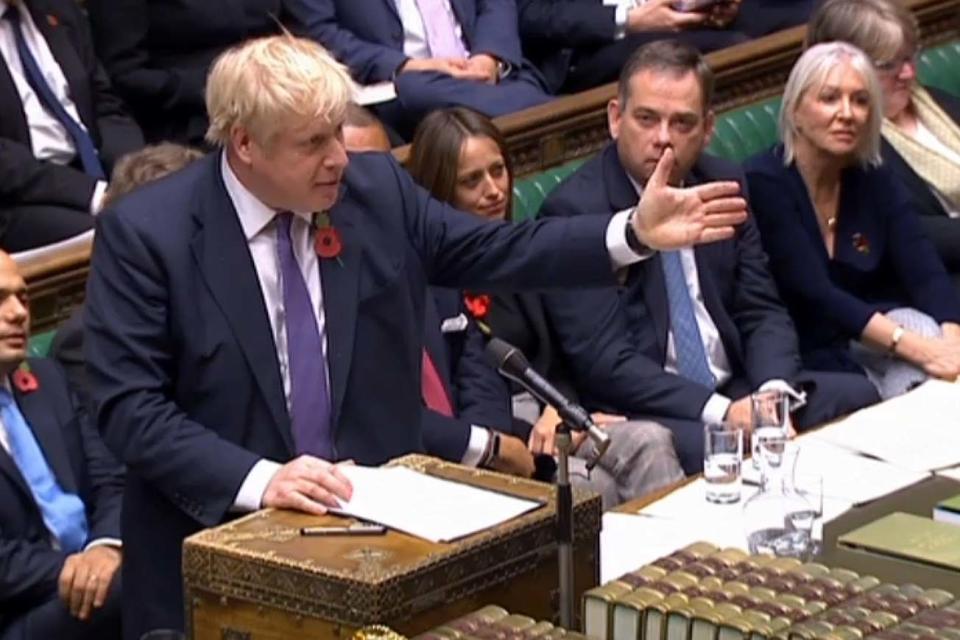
(479, 395)
(942, 230)
(184, 372)
(616, 342)
(368, 36)
(882, 259)
(26, 180)
(158, 52)
(82, 465)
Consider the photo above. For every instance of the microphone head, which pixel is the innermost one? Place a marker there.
(506, 358)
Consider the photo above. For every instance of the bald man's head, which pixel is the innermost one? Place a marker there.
(14, 315)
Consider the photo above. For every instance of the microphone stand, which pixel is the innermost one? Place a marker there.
(564, 442)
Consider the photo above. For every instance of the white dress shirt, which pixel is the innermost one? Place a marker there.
(5, 443)
(415, 34)
(256, 219)
(48, 138)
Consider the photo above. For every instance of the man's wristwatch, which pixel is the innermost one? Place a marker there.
(632, 240)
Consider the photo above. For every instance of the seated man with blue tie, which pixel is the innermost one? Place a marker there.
(61, 127)
(438, 53)
(258, 317)
(60, 493)
(691, 332)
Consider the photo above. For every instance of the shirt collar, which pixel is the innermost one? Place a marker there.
(253, 213)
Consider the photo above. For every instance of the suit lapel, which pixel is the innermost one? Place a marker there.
(392, 8)
(340, 280)
(220, 250)
(47, 430)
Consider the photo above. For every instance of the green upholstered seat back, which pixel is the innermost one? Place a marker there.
(940, 67)
(39, 344)
(741, 133)
(530, 192)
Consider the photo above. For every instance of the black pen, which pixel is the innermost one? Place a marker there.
(355, 529)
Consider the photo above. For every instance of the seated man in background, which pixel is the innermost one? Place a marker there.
(158, 52)
(363, 131)
(692, 332)
(61, 126)
(60, 494)
(150, 163)
(438, 53)
(578, 44)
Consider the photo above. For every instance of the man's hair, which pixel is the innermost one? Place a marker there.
(667, 56)
(150, 163)
(881, 28)
(261, 83)
(435, 150)
(809, 74)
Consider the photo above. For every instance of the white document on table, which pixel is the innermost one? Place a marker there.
(847, 475)
(918, 430)
(426, 506)
(952, 473)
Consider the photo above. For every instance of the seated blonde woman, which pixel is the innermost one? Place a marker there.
(461, 158)
(864, 285)
(921, 126)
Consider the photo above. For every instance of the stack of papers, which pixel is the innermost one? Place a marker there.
(425, 506)
(916, 431)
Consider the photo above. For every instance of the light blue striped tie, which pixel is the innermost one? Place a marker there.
(691, 356)
(62, 512)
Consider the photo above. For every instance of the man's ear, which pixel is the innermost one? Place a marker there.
(242, 144)
(614, 116)
(709, 123)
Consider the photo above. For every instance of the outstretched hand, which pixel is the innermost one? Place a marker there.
(670, 217)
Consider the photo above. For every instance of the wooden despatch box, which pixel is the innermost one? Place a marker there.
(257, 578)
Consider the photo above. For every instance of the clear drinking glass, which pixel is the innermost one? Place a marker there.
(770, 420)
(722, 457)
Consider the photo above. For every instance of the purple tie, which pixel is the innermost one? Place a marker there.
(309, 397)
(441, 26)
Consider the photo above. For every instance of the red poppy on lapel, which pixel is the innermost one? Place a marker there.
(24, 380)
(477, 304)
(326, 239)
(861, 244)
(53, 20)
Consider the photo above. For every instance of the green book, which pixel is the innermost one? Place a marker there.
(909, 537)
(948, 510)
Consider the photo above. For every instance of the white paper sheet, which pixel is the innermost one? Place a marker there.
(375, 93)
(952, 473)
(428, 507)
(846, 475)
(917, 430)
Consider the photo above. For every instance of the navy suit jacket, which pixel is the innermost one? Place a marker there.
(882, 259)
(616, 342)
(158, 52)
(82, 465)
(368, 36)
(479, 395)
(183, 368)
(942, 230)
(24, 179)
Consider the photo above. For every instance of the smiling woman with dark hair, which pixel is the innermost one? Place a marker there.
(864, 285)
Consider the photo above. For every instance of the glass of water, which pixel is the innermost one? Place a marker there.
(770, 420)
(722, 457)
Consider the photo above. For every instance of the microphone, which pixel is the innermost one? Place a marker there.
(512, 364)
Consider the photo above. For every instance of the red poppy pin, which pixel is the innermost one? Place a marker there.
(24, 380)
(53, 20)
(477, 304)
(861, 244)
(326, 238)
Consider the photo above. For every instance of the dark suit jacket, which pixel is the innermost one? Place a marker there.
(82, 465)
(616, 342)
(940, 228)
(882, 259)
(25, 180)
(158, 52)
(479, 395)
(368, 36)
(183, 368)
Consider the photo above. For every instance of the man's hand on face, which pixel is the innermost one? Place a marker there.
(307, 484)
(86, 577)
(671, 217)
